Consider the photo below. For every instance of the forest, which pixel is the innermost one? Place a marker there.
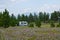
(7, 20)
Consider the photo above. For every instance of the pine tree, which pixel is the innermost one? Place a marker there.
(6, 19)
(13, 20)
(44, 17)
(47, 17)
(35, 17)
(41, 16)
(26, 18)
(23, 17)
(18, 19)
(54, 16)
(31, 18)
(1, 19)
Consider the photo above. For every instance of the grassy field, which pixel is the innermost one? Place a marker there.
(28, 33)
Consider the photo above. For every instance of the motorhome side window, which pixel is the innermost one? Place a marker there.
(21, 23)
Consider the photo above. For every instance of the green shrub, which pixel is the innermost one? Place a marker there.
(38, 23)
(31, 25)
(58, 25)
(52, 24)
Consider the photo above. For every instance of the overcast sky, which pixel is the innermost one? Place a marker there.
(25, 6)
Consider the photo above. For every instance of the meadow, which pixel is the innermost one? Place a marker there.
(45, 32)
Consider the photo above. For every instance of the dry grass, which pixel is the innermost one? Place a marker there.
(28, 33)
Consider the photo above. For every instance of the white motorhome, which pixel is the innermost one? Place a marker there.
(23, 23)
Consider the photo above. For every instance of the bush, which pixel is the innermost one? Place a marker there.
(58, 25)
(31, 25)
(52, 24)
(38, 23)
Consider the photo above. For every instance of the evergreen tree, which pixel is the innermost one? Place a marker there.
(54, 16)
(23, 17)
(35, 17)
(41, 16)
(31, 18)
(1, 19)
(26, 18)
(47, 17)
(6, 19)
(44, 17)
(18, 19)
(13, 20)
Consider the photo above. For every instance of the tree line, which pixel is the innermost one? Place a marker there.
(7, 20)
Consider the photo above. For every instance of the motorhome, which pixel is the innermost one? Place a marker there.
(23, 23)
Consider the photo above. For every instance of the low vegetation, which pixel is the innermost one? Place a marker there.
(52, 24)
(58, 25)
(31, 25)
(27, 33)
(38, 23)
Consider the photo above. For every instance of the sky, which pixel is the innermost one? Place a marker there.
(27, 6)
